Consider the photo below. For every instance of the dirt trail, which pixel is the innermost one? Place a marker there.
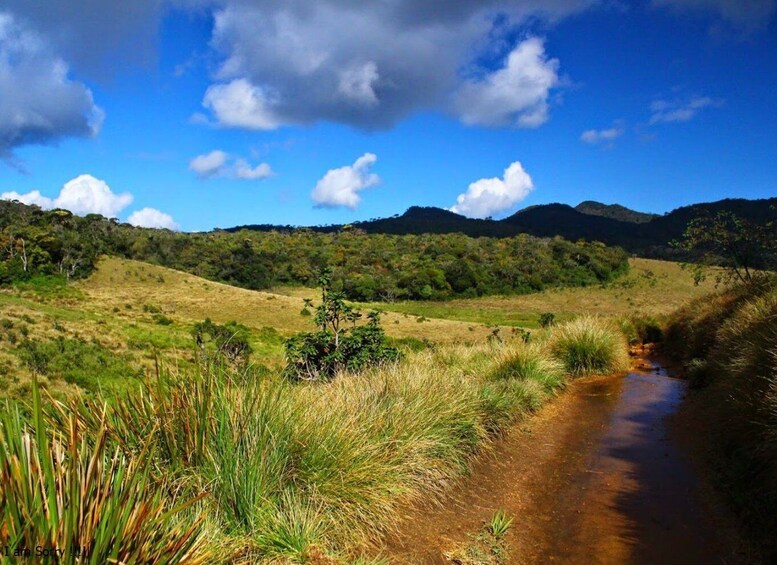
(598, 476)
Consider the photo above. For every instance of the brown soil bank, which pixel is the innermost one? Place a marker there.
(598, 476)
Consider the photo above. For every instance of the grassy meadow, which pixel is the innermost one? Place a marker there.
(240, 465)
(128, 313)
(651, 287)
(229, 468)
(107, 330)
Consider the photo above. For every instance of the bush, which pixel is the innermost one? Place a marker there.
(589, 345)
(530, 362)
(547, 319)
(335, 347)
(229, 342)
(88, 365)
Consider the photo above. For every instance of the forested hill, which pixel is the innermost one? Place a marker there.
(614, 211)
(639, 233)
(34, 242)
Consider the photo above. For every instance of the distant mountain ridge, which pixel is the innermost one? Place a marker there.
(648, 235)
(614, 211)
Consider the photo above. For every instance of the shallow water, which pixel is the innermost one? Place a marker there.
(597, 477)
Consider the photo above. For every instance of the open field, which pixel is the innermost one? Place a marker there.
(267, 471)
(325, 468)
(651, 287)
(132, 311)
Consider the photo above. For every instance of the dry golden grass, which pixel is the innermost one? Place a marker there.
(652, 287)
(120, 281)
(109, 307)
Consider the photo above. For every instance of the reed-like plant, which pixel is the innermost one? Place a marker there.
(64, 490)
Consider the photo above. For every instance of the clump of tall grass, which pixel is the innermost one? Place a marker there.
(65, 489)
(728, 343)
(531, 362)
(589, 345)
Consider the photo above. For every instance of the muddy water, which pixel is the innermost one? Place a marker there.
(596, 477)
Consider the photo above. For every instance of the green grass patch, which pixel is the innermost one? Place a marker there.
(589, 345)
(76, 361)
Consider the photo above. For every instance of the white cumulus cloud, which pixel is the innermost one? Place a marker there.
(516, 94)
(242, 170)
(594, 136)
(40, 103)
(209, 164)
(341, 187)
(241, 104)
(152, 218)
(32, 197)
(486, 197)
(86, 194)
(219, 163)
(674, 111)
(82, 195)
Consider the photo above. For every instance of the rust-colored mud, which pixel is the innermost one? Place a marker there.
(596, 477)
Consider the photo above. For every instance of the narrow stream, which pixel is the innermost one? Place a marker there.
(597, 477)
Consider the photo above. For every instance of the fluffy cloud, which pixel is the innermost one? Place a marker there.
(371, 64)
(209, 164)
(82, 195)
(667, 112)
(486, 197)
(340, 187)
(240, 104)
(152, 218)
(32, 197)
(217, 163)
(745, 15)
(243, 170)
(594, 136)
(516, 94)
(40, 104)
(88, 195)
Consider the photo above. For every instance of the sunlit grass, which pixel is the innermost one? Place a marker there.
(297, 470)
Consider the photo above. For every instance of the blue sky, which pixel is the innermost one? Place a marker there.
(194, 114)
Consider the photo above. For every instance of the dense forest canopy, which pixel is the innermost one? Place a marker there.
(366, 267)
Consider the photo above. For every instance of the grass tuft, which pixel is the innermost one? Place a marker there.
(589, 345)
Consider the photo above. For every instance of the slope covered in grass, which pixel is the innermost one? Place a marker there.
(651, 287)
(280, 472)
(728, 343)
(105, 331)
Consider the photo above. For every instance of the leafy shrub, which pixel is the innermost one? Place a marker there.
(228, 341)
(335, 347)
(162, 320)
(547, 319)
(89, 365)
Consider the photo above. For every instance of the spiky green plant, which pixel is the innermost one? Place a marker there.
(499, 524)
(65, 489)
